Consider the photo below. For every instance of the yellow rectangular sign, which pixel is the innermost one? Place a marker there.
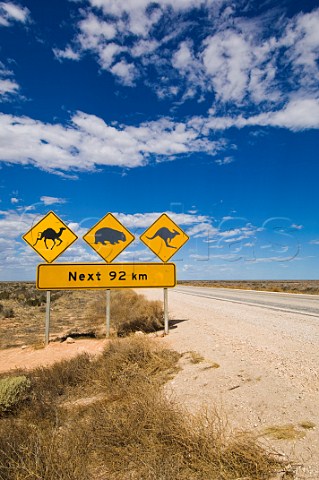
(82, 276)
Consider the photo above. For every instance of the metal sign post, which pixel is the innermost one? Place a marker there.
(166, 311)
(108, 312)
(164, 238)
(49, 238)
(47, 318)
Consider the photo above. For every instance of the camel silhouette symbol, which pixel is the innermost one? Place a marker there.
(166, 235)
(50, 234)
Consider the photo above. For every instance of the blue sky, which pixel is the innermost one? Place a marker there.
(206, 110)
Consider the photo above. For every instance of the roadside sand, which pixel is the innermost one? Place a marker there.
(29, 358)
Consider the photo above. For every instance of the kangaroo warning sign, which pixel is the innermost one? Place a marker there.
(108, 237)
(164, 237)
(50, 237)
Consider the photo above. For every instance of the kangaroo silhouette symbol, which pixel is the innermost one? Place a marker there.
(50, 234)
(166, 235)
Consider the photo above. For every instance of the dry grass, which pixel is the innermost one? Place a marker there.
(307, 425)
(195, 357)
(131, 312)
(283, 432)
(75, 313)
(107, 417)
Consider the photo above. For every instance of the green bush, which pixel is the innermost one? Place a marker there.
(12, 391)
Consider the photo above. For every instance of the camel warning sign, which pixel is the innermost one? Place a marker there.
(108, 237)
(164, 237)
(50, 237)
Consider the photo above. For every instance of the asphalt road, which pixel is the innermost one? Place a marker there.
(287, 302)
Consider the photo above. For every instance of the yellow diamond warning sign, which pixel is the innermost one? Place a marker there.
(164, 237)
(108, 237)
(50, 237)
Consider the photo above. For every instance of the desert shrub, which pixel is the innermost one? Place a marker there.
(36, 301)
(8, 312)
(50, 383)
(12, 391)
(4, 295)
(131, 312)
(41, 451)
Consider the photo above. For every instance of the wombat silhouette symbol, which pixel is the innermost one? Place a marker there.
(166, 235)
(109, 235)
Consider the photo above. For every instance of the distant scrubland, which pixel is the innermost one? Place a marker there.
(289, 286)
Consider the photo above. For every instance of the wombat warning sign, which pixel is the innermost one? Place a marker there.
(109, 237)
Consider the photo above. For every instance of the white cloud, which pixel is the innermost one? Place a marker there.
(227, 59)
(11, 12)
(183, 57)
(144, 48)
(238, 63)
(14, 200)
(108, 53)
(8, 86)
(108, 25)
(51, 200)
(203, 229)
(89, 142)
(296, 115)
(67, 53)
(125, 72)
(145, 220)
(14, 224)
(92, 25)
(224, 161)
(301, 37)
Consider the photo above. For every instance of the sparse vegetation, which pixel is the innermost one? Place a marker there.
(284, 432)
(213, 365)
(73, 313)
(107, 417)
(80, 312)
(8, 312)
(131, 312)
(307, 425)
(195, 357)
(310, 287)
